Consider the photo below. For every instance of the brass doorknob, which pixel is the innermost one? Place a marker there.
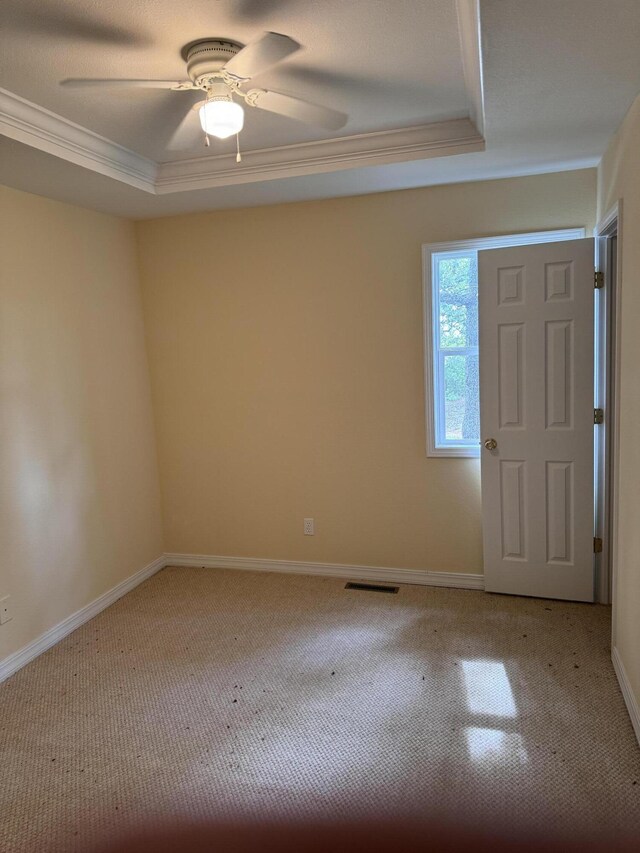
(490, 443)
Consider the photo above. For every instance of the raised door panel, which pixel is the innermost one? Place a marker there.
(559, 374)
(512, 509)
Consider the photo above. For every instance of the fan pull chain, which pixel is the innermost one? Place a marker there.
(206, 140)
(238, 157)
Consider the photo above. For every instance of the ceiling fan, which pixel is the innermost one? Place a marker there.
(220, 69)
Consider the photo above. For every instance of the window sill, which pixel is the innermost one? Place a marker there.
(467, 452)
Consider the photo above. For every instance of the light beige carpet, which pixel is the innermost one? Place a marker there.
(210, 693)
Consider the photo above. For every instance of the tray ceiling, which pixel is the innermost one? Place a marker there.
(408, 72)
(388, 65)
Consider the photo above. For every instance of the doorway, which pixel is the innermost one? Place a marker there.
(607, 246)
(563, 506)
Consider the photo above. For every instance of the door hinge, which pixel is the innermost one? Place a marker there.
(598, 280)
(597, 545)
(598, 416)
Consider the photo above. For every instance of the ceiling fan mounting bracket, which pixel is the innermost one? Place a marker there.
(206, 58)
(251, 97)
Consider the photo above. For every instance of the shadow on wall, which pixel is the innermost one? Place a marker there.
(49, 470)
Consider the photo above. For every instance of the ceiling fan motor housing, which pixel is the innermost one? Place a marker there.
(205, 59)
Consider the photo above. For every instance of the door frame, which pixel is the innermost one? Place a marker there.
(607, 397)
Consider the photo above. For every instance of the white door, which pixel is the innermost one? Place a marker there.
(536, 321)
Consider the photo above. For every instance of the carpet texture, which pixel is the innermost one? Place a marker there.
(234, 695)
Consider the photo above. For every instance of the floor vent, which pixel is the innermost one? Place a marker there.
(370, 587)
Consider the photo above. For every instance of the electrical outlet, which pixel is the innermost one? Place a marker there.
(309, 527)
(5, 612)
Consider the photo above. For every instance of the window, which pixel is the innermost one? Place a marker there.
(450, 273)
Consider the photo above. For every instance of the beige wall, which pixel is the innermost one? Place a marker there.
(619, 178)
(285, 347)
(79, 497)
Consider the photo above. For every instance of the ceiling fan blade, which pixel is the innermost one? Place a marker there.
(260, 55)
(286, 105)
(114, 83)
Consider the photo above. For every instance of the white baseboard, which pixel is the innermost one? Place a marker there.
(630, 700)
(22, 657)
(17, 660)
(457, 580)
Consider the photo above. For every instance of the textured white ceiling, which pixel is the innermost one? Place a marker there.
(559, 74)
(559, 77)
(387, 63)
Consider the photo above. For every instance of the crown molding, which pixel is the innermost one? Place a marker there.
(468, 12)
(437, 139)
(40, 128)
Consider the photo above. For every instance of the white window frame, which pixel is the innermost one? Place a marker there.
(430, 251)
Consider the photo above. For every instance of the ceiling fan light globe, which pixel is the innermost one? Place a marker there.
(221, 118)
